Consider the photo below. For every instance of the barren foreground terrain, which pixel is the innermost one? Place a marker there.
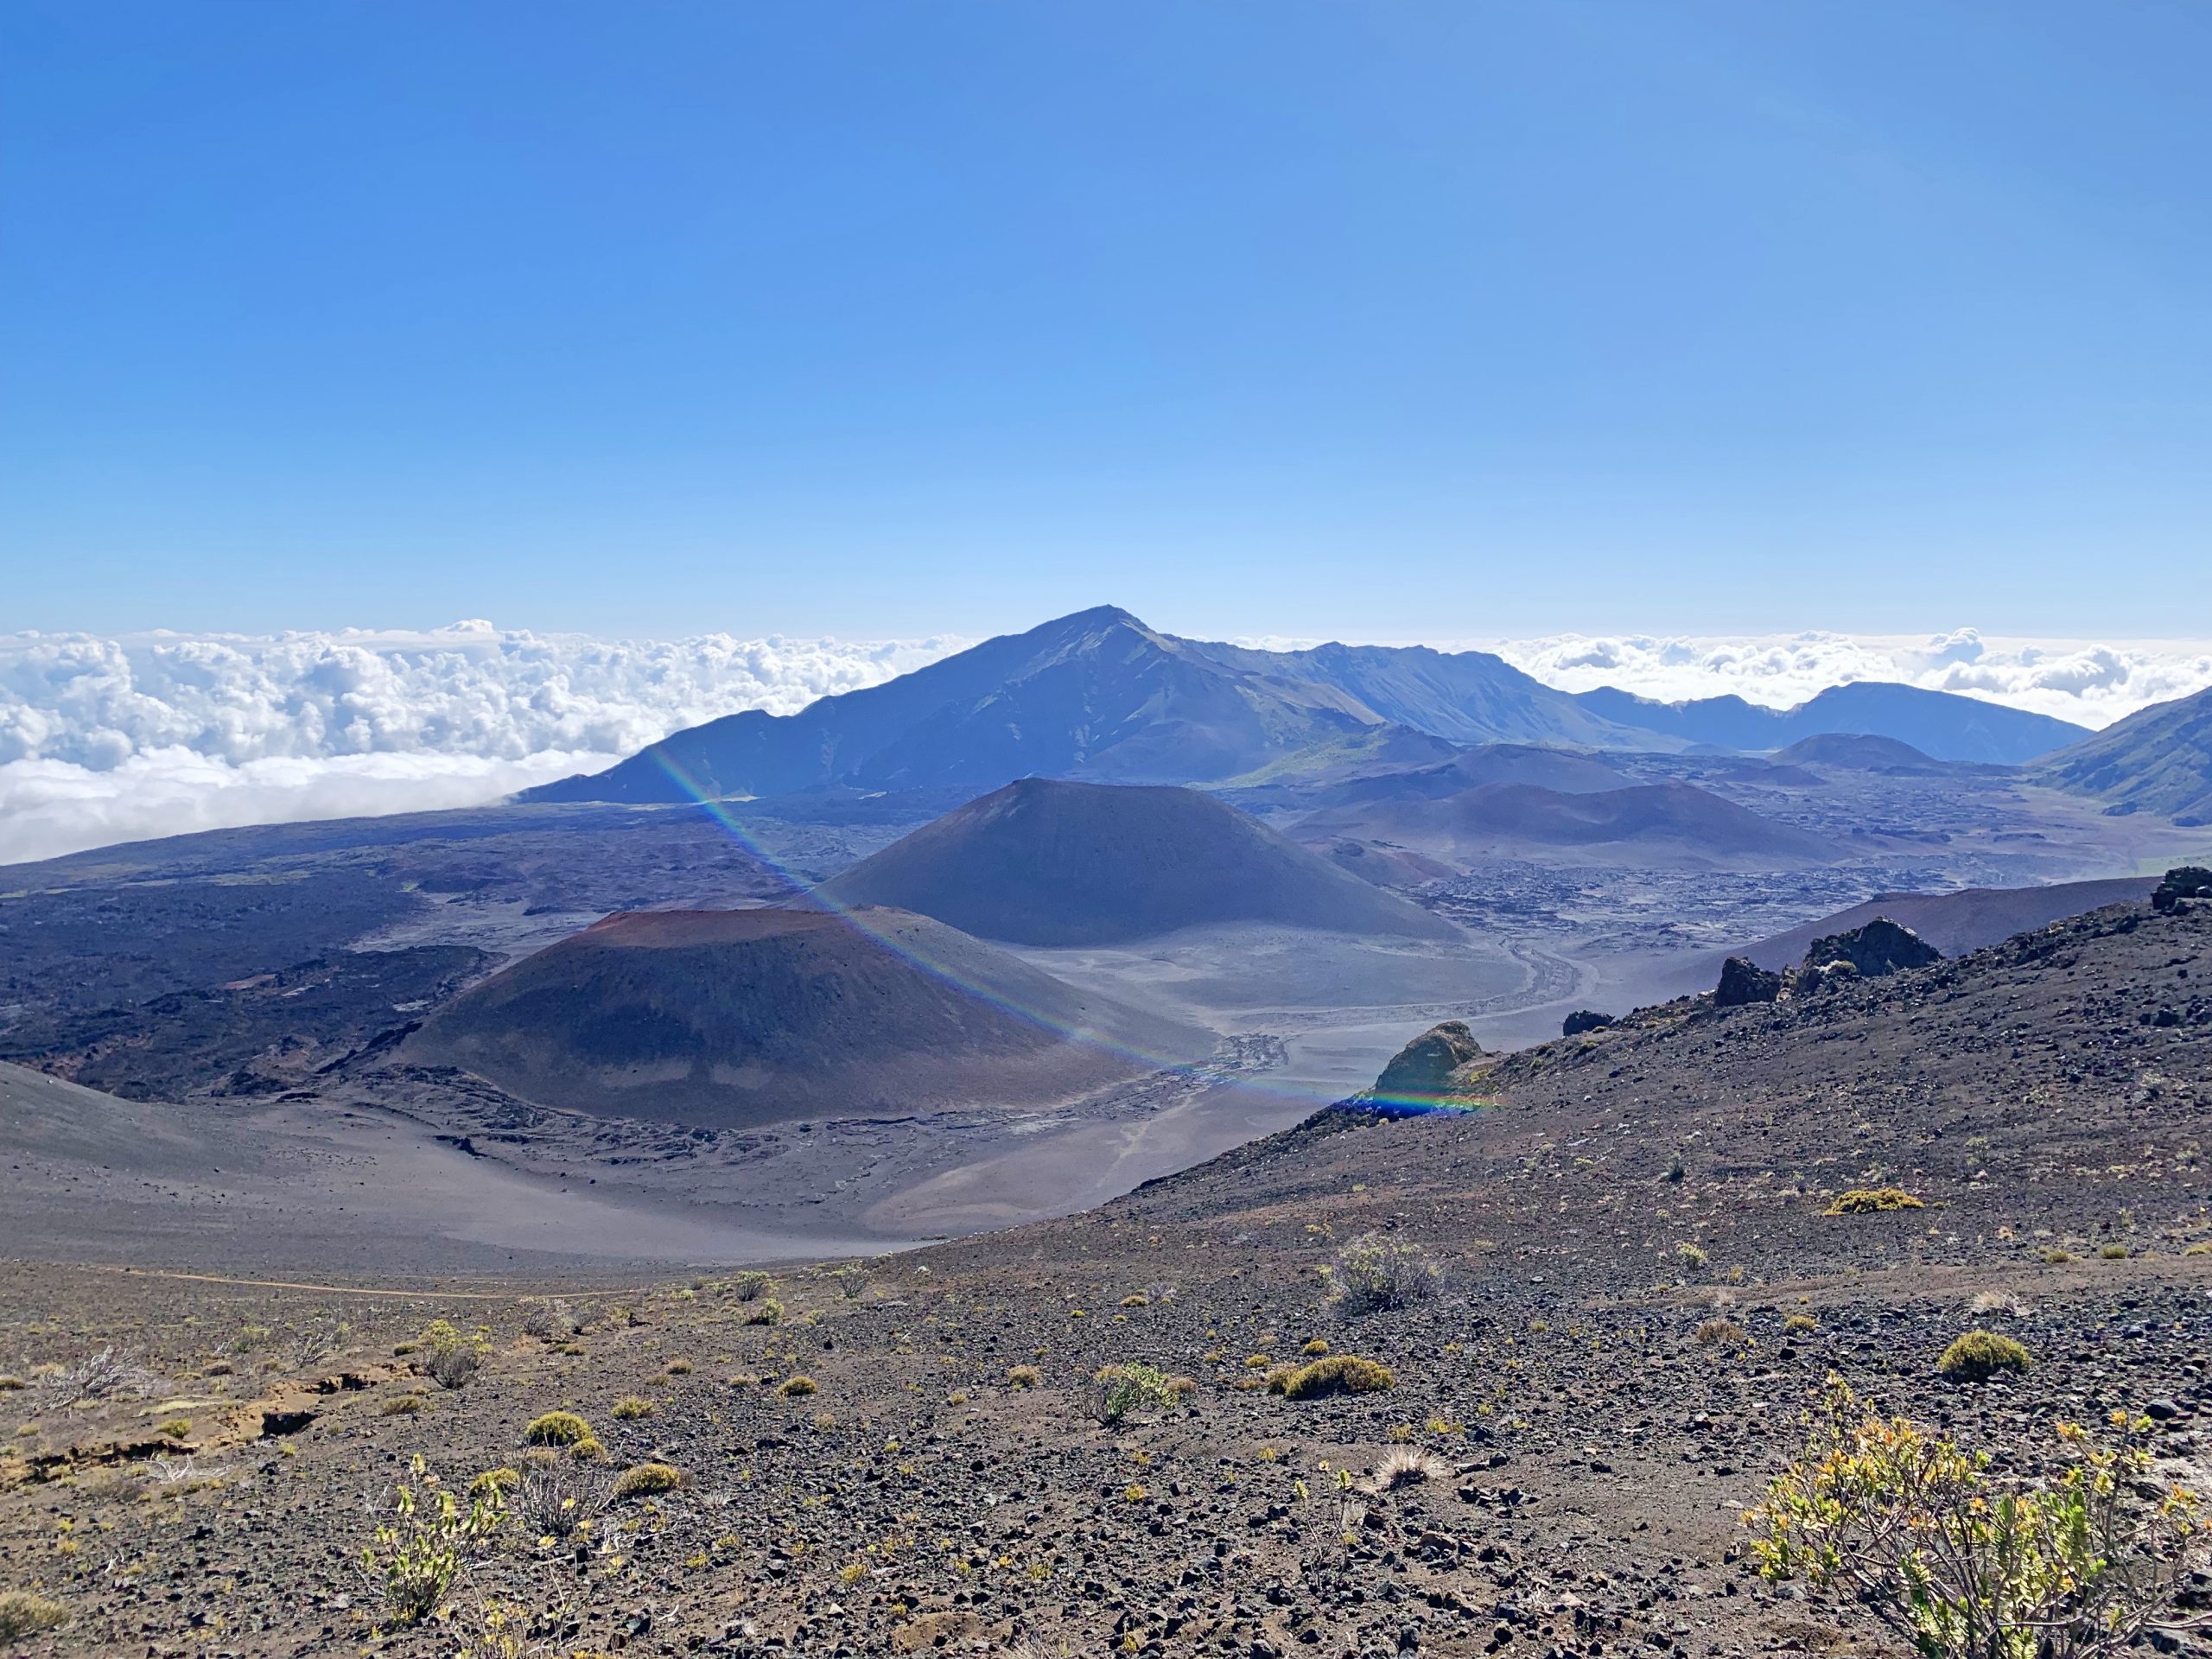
(1640, 1293)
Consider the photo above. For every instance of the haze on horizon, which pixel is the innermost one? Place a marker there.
(1297, 320)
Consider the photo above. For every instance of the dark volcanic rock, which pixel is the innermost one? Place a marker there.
(1426, 1065)
(1584, 1019)
(1881, 947)
(1743, 981)
(2185, 881)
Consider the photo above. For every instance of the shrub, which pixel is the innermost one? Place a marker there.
(1316, 1348)
(1962, 1565)
(1024, 1377)
(2113, 1252)
(1405, 1466)
(1120, 1389)
(1137, 1300)
(646, 1480)
(2202, 1247)
(419, 1551)
(453, 1358)
(25, 1613)
(176, 1428)
(751, 1285)
(494, 1480)
(551, 1319)
(1979, 1355)
(10, 1381)
(557, 1428)
(631, 1410)
(1690, 1255)
(768, 1312)
(1374, 1274)
(1870, 1200)
(553, 1501)
(1337, 1374)
(678, 1368)
(105, 1375)
(1799, 1324)
(1717, 1334)
(401, 1405)
(793, 1388)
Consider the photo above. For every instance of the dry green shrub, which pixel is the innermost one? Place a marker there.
(1964, 1564)
(25, 1613)
(768, 1312)
(453, 1358)
(552, 1501)
(417, 1553)
(1335, 1374)
(1373, 1274)
(1871, 1200)
(1722, 1333)
(1118, 1390)
(1799, 1324)
(1979, 1355)
(557, 1428)
(632, 1408)
(793, 1388)
(646, 1480)
(1024, 1377)
(751, 1285)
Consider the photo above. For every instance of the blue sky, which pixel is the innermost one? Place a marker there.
(1296, 316)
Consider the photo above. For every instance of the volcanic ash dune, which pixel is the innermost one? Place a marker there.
(1048, 863)
(727, 1019)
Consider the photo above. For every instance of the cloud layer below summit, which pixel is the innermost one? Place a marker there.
(110, 739)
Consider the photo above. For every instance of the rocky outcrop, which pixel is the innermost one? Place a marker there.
(2185, 881)
(1882, 946)
(1584, 1019)
(1744, 982)
(1425, 1068)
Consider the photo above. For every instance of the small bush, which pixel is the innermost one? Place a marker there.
(1337, 1374)
(2202, 1247)
(551, 1318)
(24, 1613)
(647, 1480)
(1405, 1467)
(453, 1358)
(1137, 1300)
(553, 1501)
(1024, 1377)
(176, 1428)
(1799, 1324)
(1870, 1200)
(794, 1387)
(10, 1383)
(1979, 1355)
(419, 1553)
(768, 1312)
(2113, 1252)
(1962, 1564)
(501, 1481)
(678, 1368)
(1121, 1389)
(1718, 1333)
(1690, 1256)
(557, 1428)
(751, 1285)
(1374, 1274)
(631, 1410)
(402, 1405)
(1316, 1348)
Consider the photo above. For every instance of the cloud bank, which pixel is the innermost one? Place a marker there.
(110, 740)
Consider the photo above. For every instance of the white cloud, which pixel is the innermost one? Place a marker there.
(2088, 683)
(109, 740)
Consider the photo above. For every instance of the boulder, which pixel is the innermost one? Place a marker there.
(1423, 1068)
(1584, 1019)
(1743, 981)
(1882, 946)
(2184, 882)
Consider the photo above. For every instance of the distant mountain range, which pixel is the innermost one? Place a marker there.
(1940, 724)
(1099, 695)
(2158, 760)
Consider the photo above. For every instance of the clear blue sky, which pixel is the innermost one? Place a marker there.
(1308, 317)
